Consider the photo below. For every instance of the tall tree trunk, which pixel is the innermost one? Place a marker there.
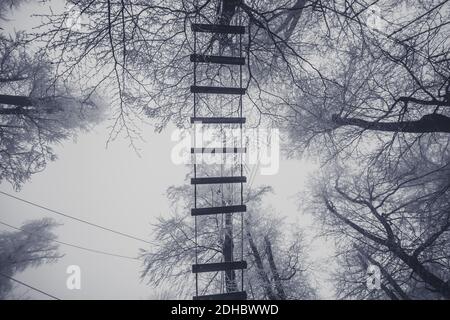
(228, 11)
(274, 269)
(411, 261)
(228, 246)
(391, 280)
(260, 268)
(389, 292)
(428, 277)
(385, 274)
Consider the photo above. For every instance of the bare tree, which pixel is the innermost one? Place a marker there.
(317, 67)
(31, 246)
(278, 264)
(382, 86)
(397, 219)
(140, 51)
(36, 111)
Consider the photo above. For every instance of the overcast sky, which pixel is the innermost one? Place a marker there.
(116, 188)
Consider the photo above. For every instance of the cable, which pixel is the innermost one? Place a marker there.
(74, 218)
(28, 286)
(71, 245)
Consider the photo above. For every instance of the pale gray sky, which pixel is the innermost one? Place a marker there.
(117, 189)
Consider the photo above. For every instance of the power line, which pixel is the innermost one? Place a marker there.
(74, 218)
(28, 286)
(71, 245)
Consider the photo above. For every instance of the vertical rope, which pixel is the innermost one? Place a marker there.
(195, 160)
(241, 145)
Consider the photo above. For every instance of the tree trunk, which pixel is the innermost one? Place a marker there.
(428, 123)
(389, 292)
(274, 269)
(385, 274)
(228, 11)
(228, 246)
(428, 277)
(391, 280)
(260, 267)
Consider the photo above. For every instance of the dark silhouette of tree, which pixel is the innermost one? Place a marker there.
(32, 246)
(37, 108)
(397, 219)
(36, 111)
(316, 67)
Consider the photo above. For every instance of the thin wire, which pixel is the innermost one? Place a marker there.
(74, 218)
(28, 286)
(69, 244)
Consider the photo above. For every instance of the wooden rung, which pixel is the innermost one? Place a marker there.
(217, 90)
(215, 180)
(217, 59)
(240, 295)
(217, 28)
(218, 150)
(218, 210)
(219, 266)
(218, 120)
